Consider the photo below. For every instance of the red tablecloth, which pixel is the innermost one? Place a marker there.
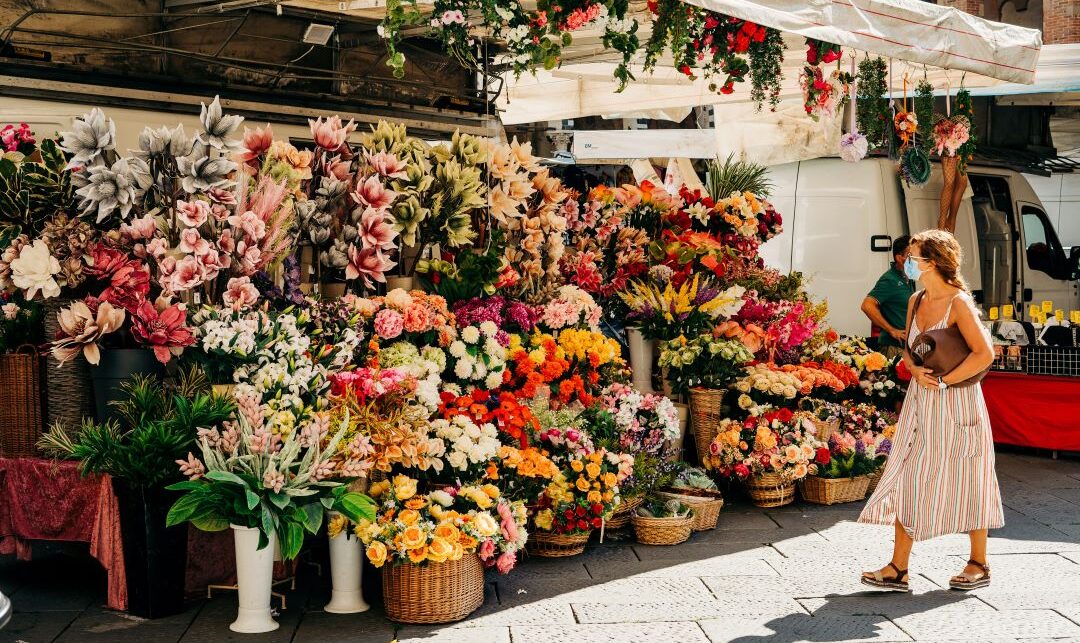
(49, 500)
(1034, 410)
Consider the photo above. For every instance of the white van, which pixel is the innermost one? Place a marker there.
(840, 219)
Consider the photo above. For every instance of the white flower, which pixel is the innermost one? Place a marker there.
(457, 460)
(698, 211)
(463, 369)
(10, 310)
(441, 497)
(493, 380)
(33, 271)
(489, 328)
(470, 334)
(458, 349)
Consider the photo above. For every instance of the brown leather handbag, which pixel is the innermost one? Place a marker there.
(941, 350)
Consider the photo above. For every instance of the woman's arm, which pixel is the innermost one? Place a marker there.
(982, 352)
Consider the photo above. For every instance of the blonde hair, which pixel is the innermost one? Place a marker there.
(943, 250)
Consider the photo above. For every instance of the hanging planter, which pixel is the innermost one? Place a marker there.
(254, 581)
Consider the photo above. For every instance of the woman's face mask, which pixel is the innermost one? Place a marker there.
(911, 269)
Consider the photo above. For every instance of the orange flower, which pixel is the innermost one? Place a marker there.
(418, 555)
(592, 469)
(582, 484)
(415, 503)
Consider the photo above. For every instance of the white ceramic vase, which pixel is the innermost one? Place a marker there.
(641, 359)
(346, 569)
(254, 580)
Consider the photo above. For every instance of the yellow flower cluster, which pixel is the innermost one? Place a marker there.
(597, 348)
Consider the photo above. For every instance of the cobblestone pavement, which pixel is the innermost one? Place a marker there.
(764, 576)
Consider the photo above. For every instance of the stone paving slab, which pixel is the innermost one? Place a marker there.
(445, 634)
(37, 627)
(699, 551)
(105, 626)
(674, 570)
(773, 587)
(748, 606)
(964, 626)
(685, 632)
(797, 628)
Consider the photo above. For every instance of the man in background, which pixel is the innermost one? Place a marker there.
(886, 304)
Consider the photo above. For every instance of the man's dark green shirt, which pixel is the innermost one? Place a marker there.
(891, 292)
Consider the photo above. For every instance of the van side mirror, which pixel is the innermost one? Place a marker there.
(1074, 262)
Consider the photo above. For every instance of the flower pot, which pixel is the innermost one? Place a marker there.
(641, 359)
(346, 569)
(155, 556)
(118, 366)
(705, 407)
(833, 491)
(332, 290)
(433, 593)
(662, 531)
(547, 544)
(405, 283)
(21, 414)
(68, 394)
(254, 578)
(675, 450)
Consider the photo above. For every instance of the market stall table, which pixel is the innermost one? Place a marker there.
(1033, 410)
(50, 500)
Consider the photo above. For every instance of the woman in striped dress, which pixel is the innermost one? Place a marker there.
(940, 476)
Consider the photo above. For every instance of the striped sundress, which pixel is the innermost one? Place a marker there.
(939, 478)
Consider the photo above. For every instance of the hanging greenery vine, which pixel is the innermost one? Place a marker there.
(965, 107)
(872, 106)
(765, 70)
(924, 113)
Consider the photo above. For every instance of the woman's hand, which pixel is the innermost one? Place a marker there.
(922, 375)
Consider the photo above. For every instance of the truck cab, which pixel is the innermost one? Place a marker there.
(841, 218)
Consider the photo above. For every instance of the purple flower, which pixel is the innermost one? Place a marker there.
(884, 447)
(860, 447)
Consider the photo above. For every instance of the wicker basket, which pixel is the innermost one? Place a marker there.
(548, 545)
(21, 413)
(706, 505)
(621, 517)
(833, 491)
(69, 395)
(875, 478)
(770, 490)
(433, 593)
(705, 405)
(826, 429)
(662, 531)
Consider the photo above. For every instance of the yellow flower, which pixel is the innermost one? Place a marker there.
(376, 553)
(437, 512)
(418, 555)
(582, 484)
(415, 503)
(413, 537)
(610, 479)
(875, 362)
(448, 532)
(592, 469)
(594, 497)
(577, 466)
(485, 524)
(491, 490)
(889, 431)
(544, 519)
(409, 517)
(439, 550)
(404, 487)
(336, 525)
(609, 495)
(458, 551)
(476, 495)
(377, 489)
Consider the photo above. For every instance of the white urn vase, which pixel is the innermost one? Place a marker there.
(641, 359)
(346, 569)
(254, 581)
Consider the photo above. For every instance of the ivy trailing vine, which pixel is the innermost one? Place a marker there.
(872, 106)
(765, 71)
(924, 113)
(965, 107)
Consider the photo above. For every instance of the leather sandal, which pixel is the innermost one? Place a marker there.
(966, 581)
(891, 584)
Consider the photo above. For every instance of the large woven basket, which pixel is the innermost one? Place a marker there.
(21, 413)
(705, 405)
(548, 545)
(662, 531)
(621, 517)
(706, 505)
(833, 491)
(825, 429)
(875, 478)
(770, 490)
(433, 593)
(69, 395)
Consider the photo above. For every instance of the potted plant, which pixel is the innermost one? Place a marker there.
(20, 375)
(692, 486)
(435, 546)
(270, 488)
(153, 426)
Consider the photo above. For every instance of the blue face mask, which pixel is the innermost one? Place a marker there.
(911, 269)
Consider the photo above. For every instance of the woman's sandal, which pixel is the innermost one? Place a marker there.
(892, 584)
(966, 581)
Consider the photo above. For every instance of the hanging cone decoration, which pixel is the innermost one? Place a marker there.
(950, 169)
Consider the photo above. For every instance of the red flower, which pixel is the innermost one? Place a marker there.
(569, 514)
(822, 456)
(902, 371)
(785, 415)
(729, 88)
(742, 470)
(166, 331)
(598, 509)
(580, 511)
(685, 69)
(582, 525)
(597, 522)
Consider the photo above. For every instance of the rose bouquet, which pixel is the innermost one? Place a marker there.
(703, 361)
(626, 420)
(588, 495)
(572, 308)
(742, 219)
(779, 442)
(443, 525)
(414, 316)
(764, 383)
(522, 474)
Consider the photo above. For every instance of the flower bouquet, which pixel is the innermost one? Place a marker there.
(691, 309)
(572, 368)
(842, 467)
(769, 453)
(478, 355)
(570, 509)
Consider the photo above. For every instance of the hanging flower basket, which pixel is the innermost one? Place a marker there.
(833, 491)
(548, 545)
(770, 490)
(434, 593)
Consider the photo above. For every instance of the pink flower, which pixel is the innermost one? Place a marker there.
(250, 258)
(192, 242)
(250, 224)
(256, 142)
(375, 230)
(387, 165)
(226, 243)
(211, 263)
(165, 331)
(487, 549)
(506, 561)
(388, 323)
(274, 480)
(338, 168)
(139, 229)
(373, 193)
(192, 467)
(330, 134)
(509, 525)
(370, 264)
(188, 274)
(157, 247)
(192, 213)
(240, 293)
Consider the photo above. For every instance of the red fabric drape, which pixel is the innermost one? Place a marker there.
(1034, 410)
